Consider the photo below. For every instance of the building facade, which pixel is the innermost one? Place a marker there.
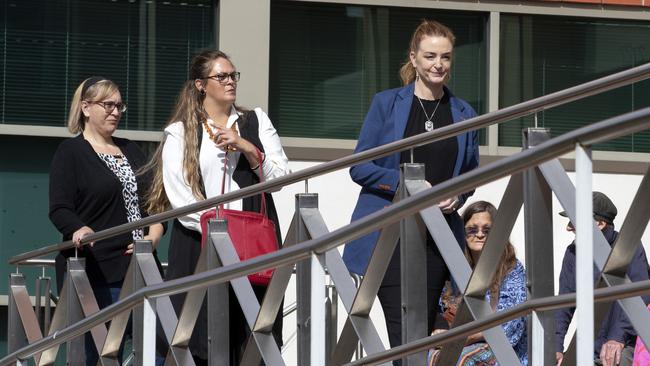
(313, 65)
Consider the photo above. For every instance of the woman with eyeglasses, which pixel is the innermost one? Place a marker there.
(93, 187)
(507, 289)
(211, 142)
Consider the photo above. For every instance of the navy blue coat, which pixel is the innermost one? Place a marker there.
(616, 326)
(385, 122)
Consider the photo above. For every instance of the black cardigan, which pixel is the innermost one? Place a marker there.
(85, 192)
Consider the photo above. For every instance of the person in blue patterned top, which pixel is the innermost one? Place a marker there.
(509, 285)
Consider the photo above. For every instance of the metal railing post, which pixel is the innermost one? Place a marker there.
(318, 312)
(331, 325)
(539, 254)
(38, 301)
(304, 283)
(218, 302)
(16, 337)
(43, 307)
(413, 266)
(319, 302)
(584, 257)
(149, 332)
(358, 352)
(26, 328)
(75, 349)
(144, 316)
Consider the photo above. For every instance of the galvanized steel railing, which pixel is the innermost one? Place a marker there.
(609, 129)
(462, 331)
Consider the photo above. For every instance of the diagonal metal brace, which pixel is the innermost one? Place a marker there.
(461, 272)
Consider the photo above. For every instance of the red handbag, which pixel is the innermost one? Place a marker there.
(251, 233)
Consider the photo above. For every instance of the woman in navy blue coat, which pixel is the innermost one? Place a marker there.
(423, 104)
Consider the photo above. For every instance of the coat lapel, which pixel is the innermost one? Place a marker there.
(403, 102)
(458, 116)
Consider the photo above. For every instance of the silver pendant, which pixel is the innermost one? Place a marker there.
(428, 125)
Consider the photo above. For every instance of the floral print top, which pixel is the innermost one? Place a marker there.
(512, 293)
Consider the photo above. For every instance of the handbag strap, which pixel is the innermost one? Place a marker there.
(261, 175)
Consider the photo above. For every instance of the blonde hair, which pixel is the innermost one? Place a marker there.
(427, 28)
(188, 110)
(97, 90)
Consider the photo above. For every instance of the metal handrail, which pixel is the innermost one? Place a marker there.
(495, 319)
(605, 130)
(39, 262)
(52, 263)
(532, 106)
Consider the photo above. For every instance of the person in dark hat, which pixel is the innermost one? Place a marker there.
(614, 344)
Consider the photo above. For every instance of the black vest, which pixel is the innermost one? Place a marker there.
(244, 175)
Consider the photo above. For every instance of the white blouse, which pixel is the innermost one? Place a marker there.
(211, 159)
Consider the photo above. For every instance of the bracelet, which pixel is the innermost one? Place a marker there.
(261, 162)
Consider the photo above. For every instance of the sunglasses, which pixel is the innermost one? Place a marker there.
(472, 231)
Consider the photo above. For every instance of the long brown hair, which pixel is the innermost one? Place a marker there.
(508, 259)
(93, 89)
(427, 28)
(188, 110)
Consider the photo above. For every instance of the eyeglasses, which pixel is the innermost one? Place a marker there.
(223, 78)
(110, 106)
(473, 231)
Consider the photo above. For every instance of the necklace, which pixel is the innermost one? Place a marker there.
(215, 137)
(105, 148)
(428, 125)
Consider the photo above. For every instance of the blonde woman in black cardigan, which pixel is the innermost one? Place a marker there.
(93, 187)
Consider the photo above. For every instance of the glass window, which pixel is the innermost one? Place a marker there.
(50, 46)
(329, 60)
(544, 54)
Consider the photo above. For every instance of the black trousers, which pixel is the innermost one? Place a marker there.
(184, 251)
(390, 295)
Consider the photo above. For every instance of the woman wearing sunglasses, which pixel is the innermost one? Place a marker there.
(93, 187)
(508, 288)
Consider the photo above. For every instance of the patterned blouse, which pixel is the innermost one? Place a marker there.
(120, 166)
(512, 293)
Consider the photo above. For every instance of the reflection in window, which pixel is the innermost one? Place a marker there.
(544, 54)
(329, 60)
(50, 46)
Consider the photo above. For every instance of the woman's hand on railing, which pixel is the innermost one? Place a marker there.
(155, 234)
(80, 234)
(129, 249)
(449, 205)
(438, 331)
